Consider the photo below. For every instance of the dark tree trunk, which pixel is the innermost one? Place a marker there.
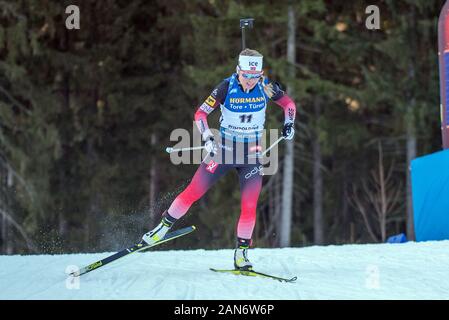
(289, 158)
(318, 229)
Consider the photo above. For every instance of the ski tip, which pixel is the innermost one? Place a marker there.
(193, 227)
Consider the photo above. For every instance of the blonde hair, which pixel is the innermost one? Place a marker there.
(250, 53)
(268, 88)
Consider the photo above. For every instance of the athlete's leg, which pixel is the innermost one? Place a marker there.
(250, 177)
(204, 178)
(250, 184)
(206, 175)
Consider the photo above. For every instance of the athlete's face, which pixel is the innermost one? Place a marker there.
(249, 79)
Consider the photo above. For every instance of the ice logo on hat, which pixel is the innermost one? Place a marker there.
(251, 63)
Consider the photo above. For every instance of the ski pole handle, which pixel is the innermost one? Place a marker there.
(170, 149)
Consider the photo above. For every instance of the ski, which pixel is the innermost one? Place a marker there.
(141, 246)
(252, 273)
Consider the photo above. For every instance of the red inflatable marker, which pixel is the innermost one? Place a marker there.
(443, 56)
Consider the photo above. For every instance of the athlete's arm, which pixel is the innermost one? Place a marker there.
(284, 101)
(217, 97)
(274, 91)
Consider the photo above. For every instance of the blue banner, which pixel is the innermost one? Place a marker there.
(430, 190)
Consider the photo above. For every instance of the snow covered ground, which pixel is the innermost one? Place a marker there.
(371, 271)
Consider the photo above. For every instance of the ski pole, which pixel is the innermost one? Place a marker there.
(260, 155)
(170, 149)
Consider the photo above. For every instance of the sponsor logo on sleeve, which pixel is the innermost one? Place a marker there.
(212, 166)
(206, 108)
(210, 101)
(291, 114)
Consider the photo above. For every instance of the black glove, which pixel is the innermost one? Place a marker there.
(289, 131)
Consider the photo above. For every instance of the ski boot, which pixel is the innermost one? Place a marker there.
(159, 232)
(241, 261)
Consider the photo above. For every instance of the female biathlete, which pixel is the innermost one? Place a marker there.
(243, 101)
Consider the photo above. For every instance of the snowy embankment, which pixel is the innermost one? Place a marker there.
(371, 271)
